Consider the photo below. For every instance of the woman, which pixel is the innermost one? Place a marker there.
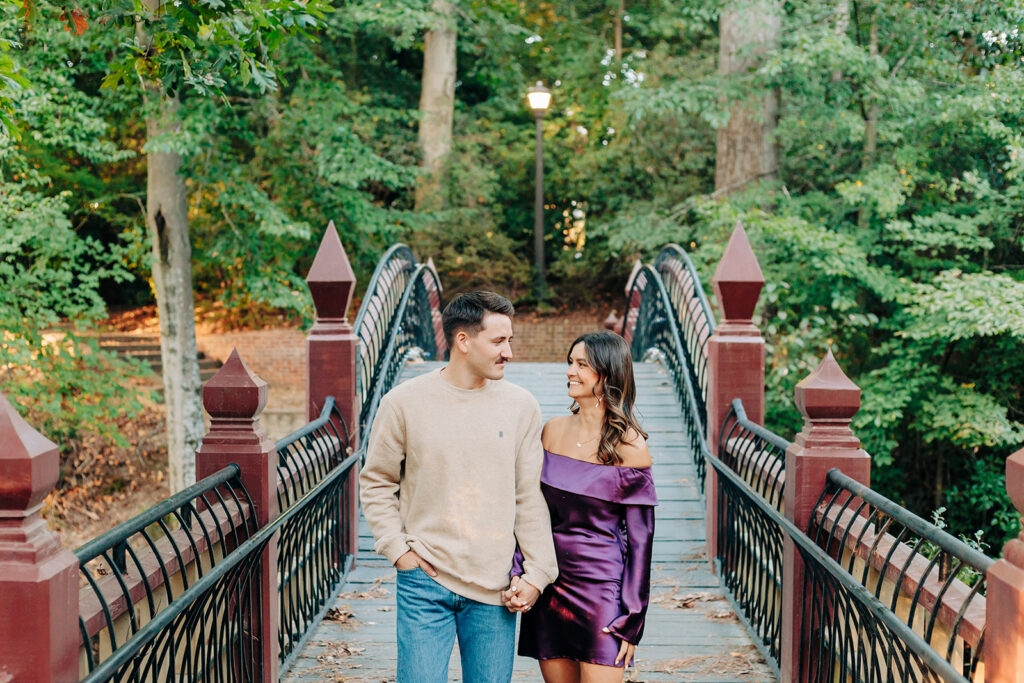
(597, 481)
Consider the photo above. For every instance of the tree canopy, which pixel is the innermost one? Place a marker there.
(891, 231)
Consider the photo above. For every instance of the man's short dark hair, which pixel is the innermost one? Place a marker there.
(467, 311)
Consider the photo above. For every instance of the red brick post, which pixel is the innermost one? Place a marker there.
(39, 636)
(331, 350)
(735, 357)
(234, 398)
(828, 400)
(1004, 599)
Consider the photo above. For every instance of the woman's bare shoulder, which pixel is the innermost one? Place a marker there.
(633, 450)
(554, 429)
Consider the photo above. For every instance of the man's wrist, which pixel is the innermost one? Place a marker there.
(395, 549)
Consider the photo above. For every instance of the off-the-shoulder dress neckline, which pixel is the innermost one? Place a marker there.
(598, 464)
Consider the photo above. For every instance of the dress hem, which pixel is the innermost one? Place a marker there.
(575, 659)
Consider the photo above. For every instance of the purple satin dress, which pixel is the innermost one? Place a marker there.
(602, 518)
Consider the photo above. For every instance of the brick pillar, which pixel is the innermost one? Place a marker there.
(39, 637)
(828, 400)
(735, 357)
(331, 350)
(234, 398)
(1004, 599)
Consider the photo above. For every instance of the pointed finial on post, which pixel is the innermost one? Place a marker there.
(38, 577)
(29, 465)
(828, 400)
(331, 280)
(331, 351)
(234, 398)
(738, 281)
(235, 392)
(735, 357)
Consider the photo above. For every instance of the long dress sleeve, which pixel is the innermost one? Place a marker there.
(636, 578)
(517, 563)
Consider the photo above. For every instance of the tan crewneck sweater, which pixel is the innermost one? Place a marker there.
(454, 474)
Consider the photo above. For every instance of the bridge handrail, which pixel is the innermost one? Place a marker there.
(755, 453)
(825, 576)
(751, 460)
(694, 317)
(655, 328)
(237, 567)
(906, 550)
(205, 524)
(407, 334)
(306, 455)
(749, 548)
(377, 313)
(383, 316)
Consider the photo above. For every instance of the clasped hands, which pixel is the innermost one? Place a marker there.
(520, 595)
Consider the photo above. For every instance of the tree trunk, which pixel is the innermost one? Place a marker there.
(618, 30)
(167, 220)
(437, 105)
(746, 147)
(841, 26)
(870, 113)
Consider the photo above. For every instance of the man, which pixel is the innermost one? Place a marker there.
(450, 485)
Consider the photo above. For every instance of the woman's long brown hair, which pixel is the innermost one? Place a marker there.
(608, 354)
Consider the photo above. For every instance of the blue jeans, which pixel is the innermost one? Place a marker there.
(429, 618)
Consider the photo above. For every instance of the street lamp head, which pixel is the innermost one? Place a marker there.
(539, 98)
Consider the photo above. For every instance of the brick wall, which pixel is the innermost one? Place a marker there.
(276, 355)
(546, 338)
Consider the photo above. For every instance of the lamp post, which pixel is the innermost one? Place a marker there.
(539, 98)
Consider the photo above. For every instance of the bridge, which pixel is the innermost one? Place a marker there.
(774, 558)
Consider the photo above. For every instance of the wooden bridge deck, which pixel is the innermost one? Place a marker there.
(692, 634)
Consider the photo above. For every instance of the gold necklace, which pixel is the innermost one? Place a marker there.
(579, 444)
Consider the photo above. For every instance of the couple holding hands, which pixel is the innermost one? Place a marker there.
(484, 513)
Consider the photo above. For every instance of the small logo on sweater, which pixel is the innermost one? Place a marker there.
(501, 435)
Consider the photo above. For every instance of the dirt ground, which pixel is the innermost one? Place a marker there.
(103, 485)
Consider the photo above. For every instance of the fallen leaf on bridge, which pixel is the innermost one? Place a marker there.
(670, 600)
(723, 615)
(341, 615)
(338, 651)
(372, 593)
(697, 667)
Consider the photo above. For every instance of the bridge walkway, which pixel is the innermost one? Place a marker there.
(692, 633)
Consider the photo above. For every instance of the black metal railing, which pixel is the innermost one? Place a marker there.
(750, 544)
(312, 556)
(306, 455)
(886, 595)
(877, 645)
(934, 582)
(652, 328)
(377, 313)
(133, 573)
(694, 318)
(410, 331)
(397, 318)
(209, 632)
(755, 453)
